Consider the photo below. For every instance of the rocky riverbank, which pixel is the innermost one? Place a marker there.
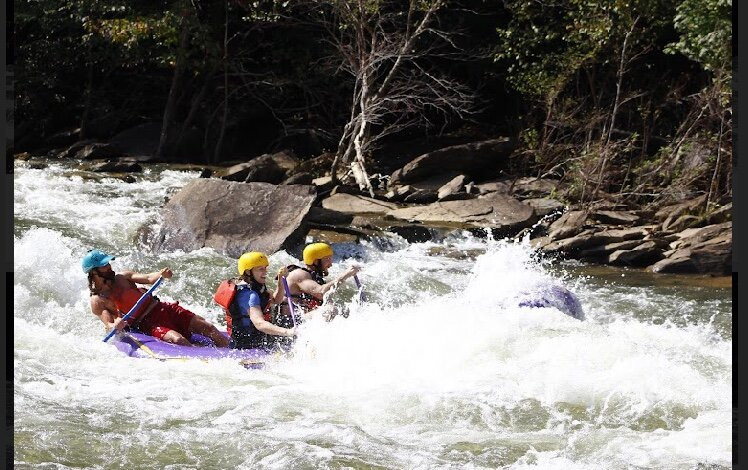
(271, 201)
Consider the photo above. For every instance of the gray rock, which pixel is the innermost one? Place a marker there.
(494, 211)
(421, 196)
(71, 151)
(681, 222)
(97, 151)
(233, 218)
(453, 186)
(268, 168)
(633, 233)
(323, 183)
(643, 255)
(471, 158)
(320, 215)
(616, 217)
(520, 187)
(571, 223)
(675, 264)
(534, 187)
(461, 196)
(540, 242)
(117, 167)
(714, 259)
(699, 235)
(502, 186)
(299, 178)
(399, 192)
(702, 251)
(720, 215)
(412, 233)
(604, 250)
(584, 240)
(544, 206)
(594, 237)
(353, 204)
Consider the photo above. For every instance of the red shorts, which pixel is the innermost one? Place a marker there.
(164, 317)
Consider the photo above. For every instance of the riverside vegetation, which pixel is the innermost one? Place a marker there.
(405, 116)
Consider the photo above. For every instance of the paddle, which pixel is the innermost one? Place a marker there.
(288, 299)
(361, 295)
(135, 307)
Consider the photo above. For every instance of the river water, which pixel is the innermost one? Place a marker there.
(438, 369)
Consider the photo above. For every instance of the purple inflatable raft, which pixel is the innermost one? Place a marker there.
(554, 296)
(140, 345)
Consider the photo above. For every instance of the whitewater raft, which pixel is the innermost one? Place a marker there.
(554, 296)
(144, 346)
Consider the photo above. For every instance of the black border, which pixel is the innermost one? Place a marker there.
(739, 109)
(6, 241)
(6, 237)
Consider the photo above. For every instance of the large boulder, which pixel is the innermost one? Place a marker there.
(496, 211)
(98, 151)
(525, 187)
(268, 168)
(616, 217)
(721, 214)
(544, 206)
(642, 255)
(117, 167)
(569, 224)
(474, 159)
(706, 250)
(233, 218)
(354, 204)
(71, 151)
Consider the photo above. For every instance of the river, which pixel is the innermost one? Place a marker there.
(438, 369)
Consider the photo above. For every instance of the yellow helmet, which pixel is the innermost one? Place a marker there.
(316, 251)
(251, 260)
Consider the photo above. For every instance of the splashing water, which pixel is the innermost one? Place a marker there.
(440, 368)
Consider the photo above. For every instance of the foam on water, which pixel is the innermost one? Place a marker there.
(439, 369)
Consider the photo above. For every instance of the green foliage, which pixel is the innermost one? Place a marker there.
(545, 44)
(705, 28)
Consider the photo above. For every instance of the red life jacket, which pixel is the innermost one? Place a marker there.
(125, 299)
(224, 297)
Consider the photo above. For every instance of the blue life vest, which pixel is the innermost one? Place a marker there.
(244, 334)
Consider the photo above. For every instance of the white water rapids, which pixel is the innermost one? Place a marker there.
(439, 369)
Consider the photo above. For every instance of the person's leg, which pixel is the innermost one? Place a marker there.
(202, 326)
(172, 336)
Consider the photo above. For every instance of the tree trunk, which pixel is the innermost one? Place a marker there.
(222, 133)
(171, 101)
(195, 105)
(86, 117)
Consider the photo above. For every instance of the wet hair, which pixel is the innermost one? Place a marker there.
(91, 283)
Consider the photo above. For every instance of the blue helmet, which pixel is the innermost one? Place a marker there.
(95, 259)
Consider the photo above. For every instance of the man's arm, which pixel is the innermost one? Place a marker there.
(107, 314)
(148, 278)
(308, 286)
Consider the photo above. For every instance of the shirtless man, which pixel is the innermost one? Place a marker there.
(114, 294)
(307, 285)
